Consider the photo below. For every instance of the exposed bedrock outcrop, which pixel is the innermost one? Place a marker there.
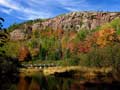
(70, 21)
(77, 20)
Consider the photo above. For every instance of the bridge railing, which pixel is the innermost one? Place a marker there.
(38, 65)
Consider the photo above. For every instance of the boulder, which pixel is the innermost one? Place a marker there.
(17, 35)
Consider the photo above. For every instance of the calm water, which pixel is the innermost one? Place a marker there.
(40, 82)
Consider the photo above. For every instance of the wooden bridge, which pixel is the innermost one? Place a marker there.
(39, 66)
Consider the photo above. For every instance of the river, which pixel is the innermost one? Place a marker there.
(56, 82)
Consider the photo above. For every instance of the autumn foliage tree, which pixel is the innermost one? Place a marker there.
(105, 36)
(24, 54)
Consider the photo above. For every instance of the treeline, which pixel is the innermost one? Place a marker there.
(99, 47)
(21, 25)
(8, 65)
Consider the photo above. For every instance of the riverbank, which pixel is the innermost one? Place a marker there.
(67, 78)
(84, 75)
(61, 69)
(53, 70)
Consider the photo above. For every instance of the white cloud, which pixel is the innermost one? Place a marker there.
(9, 4)
(73, 5)
(26, 12)
(31, 9)
(7, 11)
(71, 2)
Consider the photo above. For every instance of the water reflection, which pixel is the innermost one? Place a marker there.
(40, 82)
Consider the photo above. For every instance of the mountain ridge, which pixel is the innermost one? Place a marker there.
(89, 20)
(73, 21)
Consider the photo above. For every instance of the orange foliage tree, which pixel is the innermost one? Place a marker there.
(105, 36)
(24, 54)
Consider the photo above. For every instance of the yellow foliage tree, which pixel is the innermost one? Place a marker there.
(105, 36)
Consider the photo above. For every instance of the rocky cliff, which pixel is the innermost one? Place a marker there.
(74, 21)
(77, 20)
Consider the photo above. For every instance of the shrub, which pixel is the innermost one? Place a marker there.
(73, 61)
(11, 49)
(42, 53)
(8, 72)
(15, 26)
(3, 38)
(67, 54)
(115, 23)
(102, 57)
(82, 34)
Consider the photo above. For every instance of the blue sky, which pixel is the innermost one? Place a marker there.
(16, 11)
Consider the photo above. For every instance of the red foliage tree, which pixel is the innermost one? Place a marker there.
(83, 47)
(24, 54)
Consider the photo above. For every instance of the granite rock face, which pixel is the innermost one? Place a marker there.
(21, 34)
(68, 22)
(17, 35)
(77, 20)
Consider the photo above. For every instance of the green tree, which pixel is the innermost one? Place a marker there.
(8, 65)
(1, 20)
